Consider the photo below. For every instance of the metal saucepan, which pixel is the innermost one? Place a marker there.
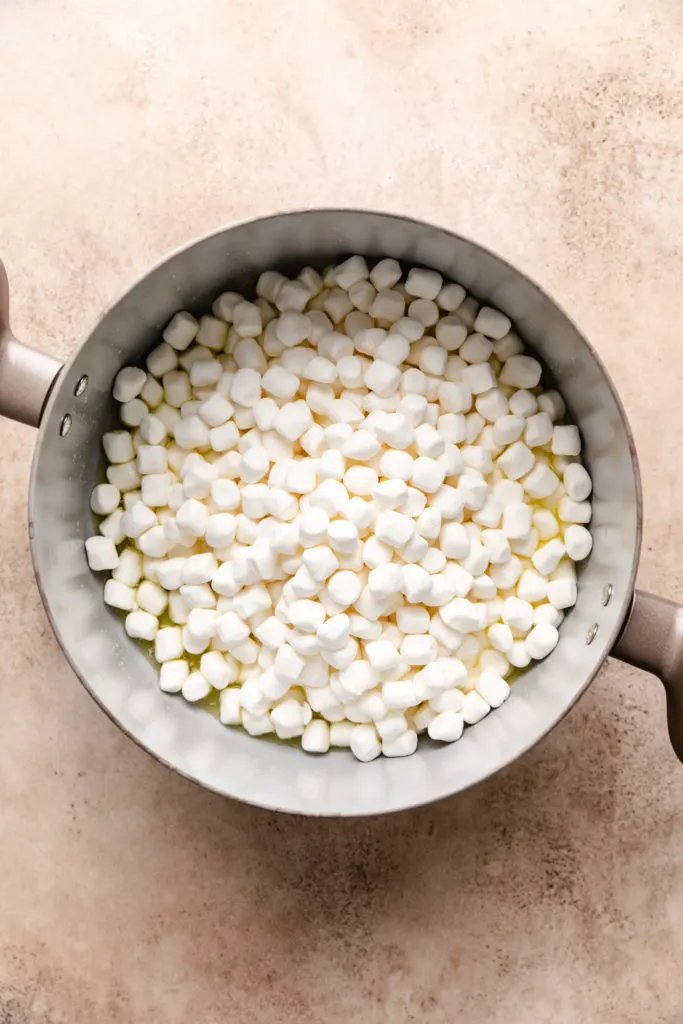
(72, 405)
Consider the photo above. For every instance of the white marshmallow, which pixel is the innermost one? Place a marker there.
(516, 520)
(402, 746)
(128, 383)
(172, 675)
(446, 727)
(532, 586)
(541, 641)
(418, 649)
(578, 542)
(101, 554)
(394, 528)
(382, 378)
(181, 331)
(492, 323)
(492, 688)
(474, 708)
(478, 377)
(574, 511)
(463, 615)
(423, 283)
(577, 482)
(104, 499)
(521, 372)
(562, 593)
(547, 557)
(566, 440)
(168, 644)
(344, 588)
(541, 482)
(454, 541)
(507, 429)
(293, 420)
(518, 614)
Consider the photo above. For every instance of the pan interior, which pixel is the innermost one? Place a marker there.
(117, 671)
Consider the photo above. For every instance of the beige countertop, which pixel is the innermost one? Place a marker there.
(552, 133)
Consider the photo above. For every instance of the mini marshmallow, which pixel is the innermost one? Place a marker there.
(446, 727)
(577, 482)
(118, 446)
(566, 440)
(428, 474)
(547, 613)
(168, 644)
(492, 687)
(315, 738)
(547, 557)
(506, 575)
(478, 377)
(574, 511)
(313, 525)
(101, 554)
(382, 378)
(473, 491)
(517, 614)
(507, 429)
(578, 542)
(531, 586)
(104, 499)
(492, 323)
(344, 588)
(463, 615)
(562, 593)
(361, 445)
(516, 520)
(172, 675)
(541, 482)
(423, 283)
(192, 517)
(538, 430)
(334, 632)
(128, 383)
(385, 274)
(523, 403)
(390, 493)
(521, 372)
(306, 615)
(418, 649)
(454, 541)
(475, 707)
(402, 746)
(516, 460)
(342, 536)
(541, 641)
(181, 331)
(293, 420)
(394, 528)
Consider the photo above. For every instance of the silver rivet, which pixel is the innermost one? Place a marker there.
(81, 386)
(592, 633)
(65, 425)
(607, 592)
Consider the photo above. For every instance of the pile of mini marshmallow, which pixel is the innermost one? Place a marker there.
(348, 508)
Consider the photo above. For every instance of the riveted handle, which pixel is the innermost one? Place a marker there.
(26, 375)
(652, 639)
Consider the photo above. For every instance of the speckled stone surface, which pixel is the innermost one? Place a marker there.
(552, 133)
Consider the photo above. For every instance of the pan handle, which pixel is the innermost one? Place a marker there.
(652, 639)
(26, 375)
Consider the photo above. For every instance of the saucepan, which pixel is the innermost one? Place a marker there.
(72, 407)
